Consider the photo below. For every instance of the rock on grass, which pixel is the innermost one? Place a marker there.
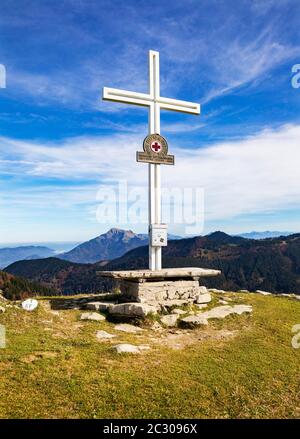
(92, 316)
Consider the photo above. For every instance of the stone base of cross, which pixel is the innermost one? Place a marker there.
(155, 103)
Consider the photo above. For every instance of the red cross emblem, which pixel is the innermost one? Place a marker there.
(156, 146)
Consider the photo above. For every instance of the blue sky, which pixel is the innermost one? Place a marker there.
(59, 143)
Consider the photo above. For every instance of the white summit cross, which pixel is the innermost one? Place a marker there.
(155, 102)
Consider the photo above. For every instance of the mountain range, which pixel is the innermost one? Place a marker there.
(9, 255)
(109, 245)
(271, 264)
(263, 235)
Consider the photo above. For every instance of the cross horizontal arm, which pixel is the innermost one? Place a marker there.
(129, 97)
(180, 106)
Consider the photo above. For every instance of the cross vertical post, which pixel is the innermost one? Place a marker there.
(154, 169)
(154, 102)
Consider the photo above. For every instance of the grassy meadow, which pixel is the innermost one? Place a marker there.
(244, 366)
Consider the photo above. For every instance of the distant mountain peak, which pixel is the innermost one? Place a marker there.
(218, 234)
(114, 231)
(109, 245)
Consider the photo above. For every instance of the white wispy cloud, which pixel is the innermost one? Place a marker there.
(256, 175)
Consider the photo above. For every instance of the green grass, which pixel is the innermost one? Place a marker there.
(54, 367)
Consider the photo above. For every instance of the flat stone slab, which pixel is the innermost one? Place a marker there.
(223, 311)
(181, 273)
(203, 298)
(264, 293)
(125, 327)
(126, 348)
(103, 335)
(193, 321)
(92, 316)
(132, 309)
(98, 306)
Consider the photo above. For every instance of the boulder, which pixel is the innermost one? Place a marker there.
(98, 306)
(169, 320)
(92, 316)
(2, 309)
(132, 309)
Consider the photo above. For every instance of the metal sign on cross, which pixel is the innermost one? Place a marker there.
(155, 103)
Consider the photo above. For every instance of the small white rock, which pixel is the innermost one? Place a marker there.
(2, 309)
(103, 335)
(127, 348)
(125, 327)
(30, 304)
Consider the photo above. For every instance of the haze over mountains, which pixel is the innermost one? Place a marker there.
(271, 264)
(263, 235)
(9, 255)
(108, 246)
